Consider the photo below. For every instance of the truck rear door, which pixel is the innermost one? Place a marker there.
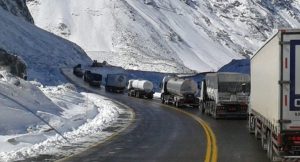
(291, 81)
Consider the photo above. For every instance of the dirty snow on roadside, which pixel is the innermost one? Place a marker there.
(79, 117)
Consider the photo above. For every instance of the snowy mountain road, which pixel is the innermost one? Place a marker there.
(157, 134)
(163, 134)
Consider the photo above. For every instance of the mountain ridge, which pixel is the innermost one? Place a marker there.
(160, 35)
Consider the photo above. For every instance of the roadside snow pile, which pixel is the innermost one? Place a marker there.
(74, 115)
(16, 97)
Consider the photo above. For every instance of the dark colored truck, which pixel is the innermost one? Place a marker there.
(77, 71)
(93, 79)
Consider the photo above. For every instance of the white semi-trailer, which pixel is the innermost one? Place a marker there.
(140, 88)
(225, 94)
(179, 91)
(274, 116)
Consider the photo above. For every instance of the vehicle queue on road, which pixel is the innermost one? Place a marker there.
(274, 115)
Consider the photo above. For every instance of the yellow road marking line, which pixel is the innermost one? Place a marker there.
(211, 146)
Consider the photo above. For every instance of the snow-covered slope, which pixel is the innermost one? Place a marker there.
(43, 52)
(163, 35)
(36, 117)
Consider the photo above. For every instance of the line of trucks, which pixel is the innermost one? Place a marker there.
(272, 108)
(113, 82)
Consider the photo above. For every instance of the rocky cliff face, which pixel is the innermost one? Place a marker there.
(41, 52)
(17, 8)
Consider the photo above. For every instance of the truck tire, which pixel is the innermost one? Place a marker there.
(211, 110)
(263, 140)
(207, 108)
(137, 94)
(251, 124)
(201, 107)
(177, 104)
(270, 150)
(162, 98)
(256, 131)
(150, 96)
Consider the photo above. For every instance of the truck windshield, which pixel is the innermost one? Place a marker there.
(97, 77)
(234, 87)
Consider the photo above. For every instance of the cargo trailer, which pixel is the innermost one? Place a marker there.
(274, 115)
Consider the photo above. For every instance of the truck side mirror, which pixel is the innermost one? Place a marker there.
(199, 85)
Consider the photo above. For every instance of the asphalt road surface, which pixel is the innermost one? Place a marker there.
(160, 133)
(234, 142)
(157, 134)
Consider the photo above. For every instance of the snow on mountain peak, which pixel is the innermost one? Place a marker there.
(166, 35)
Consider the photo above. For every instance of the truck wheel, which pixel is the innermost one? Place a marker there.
(177, 104)
(150, 97)
(201, 107)
(206, 110)
(263, 140)
(256, 131)
(270, 151)
(251, 124)
(137, 95)
(162, 98)
(214, 115)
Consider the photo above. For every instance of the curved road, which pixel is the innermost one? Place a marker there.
(164, 134)
(156, 135)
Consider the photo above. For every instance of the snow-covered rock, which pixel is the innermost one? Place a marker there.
(166, 35)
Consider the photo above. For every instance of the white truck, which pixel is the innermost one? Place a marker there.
(179, 92)
(115, 82)
(225, 94)
(140, 88)
(274, 115)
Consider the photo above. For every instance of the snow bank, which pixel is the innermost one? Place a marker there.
(157, 95)
(77, 116)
